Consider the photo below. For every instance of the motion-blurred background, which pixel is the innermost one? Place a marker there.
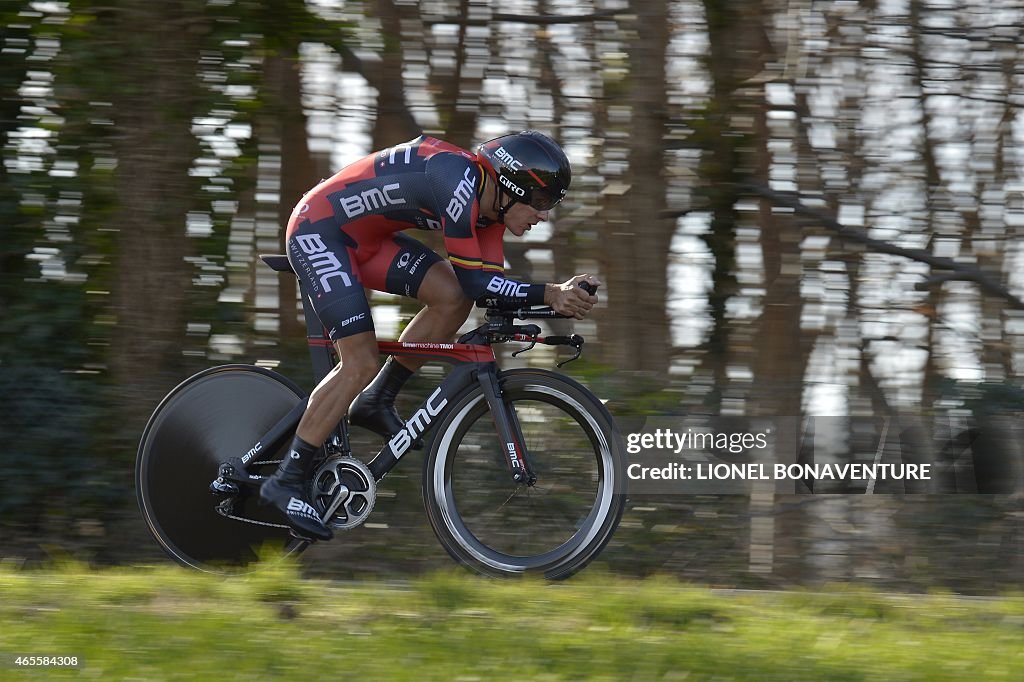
(799, 208)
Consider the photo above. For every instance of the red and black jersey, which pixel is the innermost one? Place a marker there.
(427, 184)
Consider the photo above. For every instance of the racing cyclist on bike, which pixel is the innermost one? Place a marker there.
(348, 233)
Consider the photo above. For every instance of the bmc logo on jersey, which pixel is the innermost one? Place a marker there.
(461, 197)
(371, 200)
(323, 262)
(507, 287)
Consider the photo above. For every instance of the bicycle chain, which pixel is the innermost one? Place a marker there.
(268, 524)
(254, 522)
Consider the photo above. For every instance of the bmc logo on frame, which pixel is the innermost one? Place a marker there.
(417, 424)
(507, 287)
(249, 455)
(324, 262)
(371, 200)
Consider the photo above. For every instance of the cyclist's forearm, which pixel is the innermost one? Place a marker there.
(480, 285)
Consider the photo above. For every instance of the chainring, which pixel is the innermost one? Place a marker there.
(344, 492)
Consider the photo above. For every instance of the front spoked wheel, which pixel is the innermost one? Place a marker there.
(496, 526)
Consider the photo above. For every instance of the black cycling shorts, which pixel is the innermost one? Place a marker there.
(333, 269)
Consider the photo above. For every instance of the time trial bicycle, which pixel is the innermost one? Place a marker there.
(525, 475)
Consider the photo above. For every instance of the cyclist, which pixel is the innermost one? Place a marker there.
(348, 233)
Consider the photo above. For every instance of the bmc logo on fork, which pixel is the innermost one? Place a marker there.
(516, 462)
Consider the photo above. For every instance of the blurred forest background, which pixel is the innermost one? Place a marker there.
(799, 208)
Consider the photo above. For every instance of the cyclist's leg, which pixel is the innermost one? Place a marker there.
(407, 267)
(329, 400)
(446, 309)
(322, 257)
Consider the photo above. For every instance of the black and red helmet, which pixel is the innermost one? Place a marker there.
(529, 167)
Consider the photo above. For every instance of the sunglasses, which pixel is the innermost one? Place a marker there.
(544, 200)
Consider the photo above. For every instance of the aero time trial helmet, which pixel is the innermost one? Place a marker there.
(529, 166)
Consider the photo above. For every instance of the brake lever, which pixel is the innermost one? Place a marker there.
(530, 331)
(523, 350)
(577, 343)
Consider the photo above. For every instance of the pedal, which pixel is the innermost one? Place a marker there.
(301, 538)
(222, 486)
(227, 507)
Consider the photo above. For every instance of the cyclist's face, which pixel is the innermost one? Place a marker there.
(519, 218)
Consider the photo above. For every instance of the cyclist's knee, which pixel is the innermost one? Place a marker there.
(458, 308)
(359, 357)
(362, 373)
(454, 311)
(442, 292)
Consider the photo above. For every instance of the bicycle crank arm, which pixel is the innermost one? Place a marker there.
(340, 494)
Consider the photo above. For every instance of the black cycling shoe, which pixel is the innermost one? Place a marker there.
(374, 408)
(289, 497)
(370, 412)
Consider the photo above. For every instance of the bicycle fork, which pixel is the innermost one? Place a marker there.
(507, 424)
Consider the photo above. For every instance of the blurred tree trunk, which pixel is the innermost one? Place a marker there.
(281, 125)
(638, 236)
(595, 248)
(472, 60)
(778, 350)
(154, 99)
(933, 197)
(995, 241)
(394, 123)
(562, 251)
(568, 245)
(282, 122)
(781, 348)
(720, 170)
(17, 234)
(1006, 152)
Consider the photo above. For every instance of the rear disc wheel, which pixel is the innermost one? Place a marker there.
(211, 417)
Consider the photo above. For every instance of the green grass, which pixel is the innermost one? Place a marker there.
(169, 624)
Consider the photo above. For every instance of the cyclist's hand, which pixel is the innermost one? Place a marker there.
(569, 298)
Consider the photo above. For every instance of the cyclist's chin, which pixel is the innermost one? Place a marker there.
(518, 230)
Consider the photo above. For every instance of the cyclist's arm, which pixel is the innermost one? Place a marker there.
(476, 255)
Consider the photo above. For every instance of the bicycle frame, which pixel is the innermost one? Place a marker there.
(474, 364)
